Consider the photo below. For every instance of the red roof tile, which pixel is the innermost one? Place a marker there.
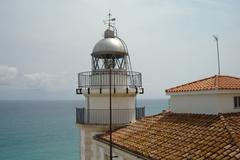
(180, 136)
(220, 82)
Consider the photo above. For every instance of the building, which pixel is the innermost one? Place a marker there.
(110, 84)
(212, 95)
(191, 133)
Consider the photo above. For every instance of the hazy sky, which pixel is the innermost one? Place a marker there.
(45, 43)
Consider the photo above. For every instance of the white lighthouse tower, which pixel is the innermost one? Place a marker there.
(111, 84)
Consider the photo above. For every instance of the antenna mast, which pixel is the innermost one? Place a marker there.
(109, 20)
(216, 39)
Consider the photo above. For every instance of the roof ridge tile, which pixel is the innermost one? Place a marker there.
(221, 82)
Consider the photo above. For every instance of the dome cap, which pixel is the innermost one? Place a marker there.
(109, 47)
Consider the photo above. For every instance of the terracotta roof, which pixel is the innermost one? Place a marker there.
(220, 82)
(177, 136)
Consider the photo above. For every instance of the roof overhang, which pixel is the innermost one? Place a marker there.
(205, 92)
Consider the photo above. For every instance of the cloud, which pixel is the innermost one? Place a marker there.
(47, 81)
(7, 74)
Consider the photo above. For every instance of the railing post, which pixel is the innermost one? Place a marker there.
(88, 115)
(83, 115)
(77, 115)
(143, 112)
(78, 80)
(136, 110)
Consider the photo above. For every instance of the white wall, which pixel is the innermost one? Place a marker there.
(226, 103)
(87, 144)
(94, 150)
(102, 102)
(203, 103)
(123, 109)
(103, 149)
(194, 104)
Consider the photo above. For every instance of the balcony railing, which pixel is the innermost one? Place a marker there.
(100, 79)
(101, 116)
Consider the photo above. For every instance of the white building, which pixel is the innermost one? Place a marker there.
(213, 95)
(111, 81)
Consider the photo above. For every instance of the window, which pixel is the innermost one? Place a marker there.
(239, 101)
(236, 101)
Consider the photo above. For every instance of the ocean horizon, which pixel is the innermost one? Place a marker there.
(45, 129)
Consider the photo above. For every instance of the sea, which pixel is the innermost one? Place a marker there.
(46, 130)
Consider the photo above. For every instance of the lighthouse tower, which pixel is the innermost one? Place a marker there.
(110, 84)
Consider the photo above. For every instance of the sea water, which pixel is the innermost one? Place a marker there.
(45, 130)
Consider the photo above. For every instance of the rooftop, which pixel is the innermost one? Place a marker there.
(180, 136)
(220, 82)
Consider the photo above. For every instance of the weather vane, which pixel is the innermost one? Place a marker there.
(110, 21)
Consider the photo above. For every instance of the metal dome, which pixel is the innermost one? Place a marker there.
(110, 46)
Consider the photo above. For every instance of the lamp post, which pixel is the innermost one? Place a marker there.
(110, 109)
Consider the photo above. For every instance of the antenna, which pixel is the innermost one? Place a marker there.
(216, 39)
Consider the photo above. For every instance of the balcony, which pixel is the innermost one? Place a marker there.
(101, 116)
(100, 79)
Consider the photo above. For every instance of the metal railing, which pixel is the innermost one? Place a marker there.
(100, 79)
(101, 116)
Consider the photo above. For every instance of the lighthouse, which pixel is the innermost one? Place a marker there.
(109, 89)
